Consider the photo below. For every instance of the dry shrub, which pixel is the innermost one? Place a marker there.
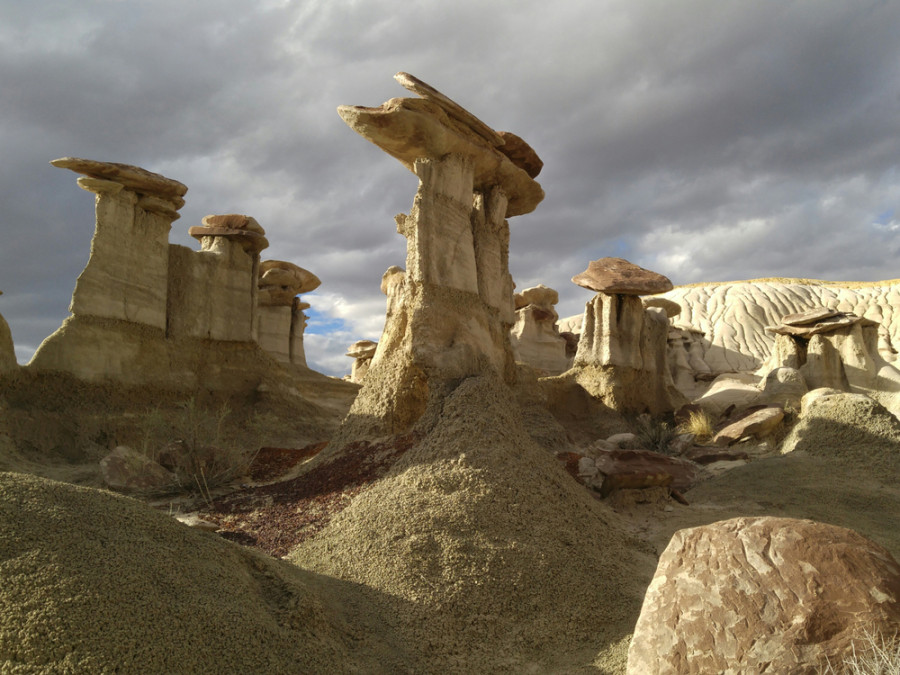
(654, 434)
(876, 656)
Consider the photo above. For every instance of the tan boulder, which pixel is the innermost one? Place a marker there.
(537, 295)
(521, 154)
(131, 177)
(809, 316)
(616, 276)
(755, 595)
(759, 424)
(534, 337)
(832, 322)
(643, 468)
(128, 470)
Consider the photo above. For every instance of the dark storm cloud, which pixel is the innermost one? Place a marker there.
(706, 140)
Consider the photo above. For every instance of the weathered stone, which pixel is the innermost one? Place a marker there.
(783, 387)
(414, 129)
(281, 281)
(671, 308)
(754, 595)
(643, 468)
(521, 154)
(132, 178)
(362, 349)
(616, 276)
(828, 325)
(537, 295)
(128, 470)
(7, 349)
(813, 315)
(759, 424)
(704, 454)
(731, 390)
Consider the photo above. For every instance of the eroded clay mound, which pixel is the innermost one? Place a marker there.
(92, 583)
(849, 426)
(498, 561)
(733, 316)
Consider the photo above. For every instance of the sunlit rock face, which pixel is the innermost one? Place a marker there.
(450, 311)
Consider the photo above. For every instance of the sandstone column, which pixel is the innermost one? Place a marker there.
(449, 314)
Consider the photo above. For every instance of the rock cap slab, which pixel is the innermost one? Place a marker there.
(619, 276)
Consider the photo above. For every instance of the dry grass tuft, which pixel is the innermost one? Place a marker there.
(701, 424)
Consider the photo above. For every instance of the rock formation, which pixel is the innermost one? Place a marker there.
(281, 317)
(362, 352)
(753, 595)
(7, 349)
(450, 313)
(146, 312)
(535, 338)
(622, 355)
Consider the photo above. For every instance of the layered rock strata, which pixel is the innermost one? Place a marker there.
(449, 313)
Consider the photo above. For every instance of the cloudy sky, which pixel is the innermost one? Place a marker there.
(707, 140)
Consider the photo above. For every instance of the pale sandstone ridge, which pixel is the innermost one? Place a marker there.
(449, 313)
(733, 316)
(622, 352)
(535, 338)
(753, 595)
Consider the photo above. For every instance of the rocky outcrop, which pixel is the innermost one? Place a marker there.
(449, 313)
(146, 312)
(535, 338)
(362, 352)
(7, 349)
(622, 351)
(733, 316)
(281, 318)
(753, 595)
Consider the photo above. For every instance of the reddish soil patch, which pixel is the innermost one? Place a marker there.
(570, 463)
(270, 463)
(275, 518)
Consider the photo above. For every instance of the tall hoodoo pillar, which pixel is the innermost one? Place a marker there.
(450, 312)
(126, 277)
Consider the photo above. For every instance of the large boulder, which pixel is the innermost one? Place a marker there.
(763, 595)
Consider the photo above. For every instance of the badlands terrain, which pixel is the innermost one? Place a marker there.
(697, 479)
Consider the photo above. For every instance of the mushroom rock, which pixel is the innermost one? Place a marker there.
(280, 312)
(535, 338)
(756, 595)
(449, 314)
(622, 355)
(280, 282)
(433, 126)
(135, 209)
(242, 229)
(620, 277)
(362, 351)
(832, 322)
(671, 308)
